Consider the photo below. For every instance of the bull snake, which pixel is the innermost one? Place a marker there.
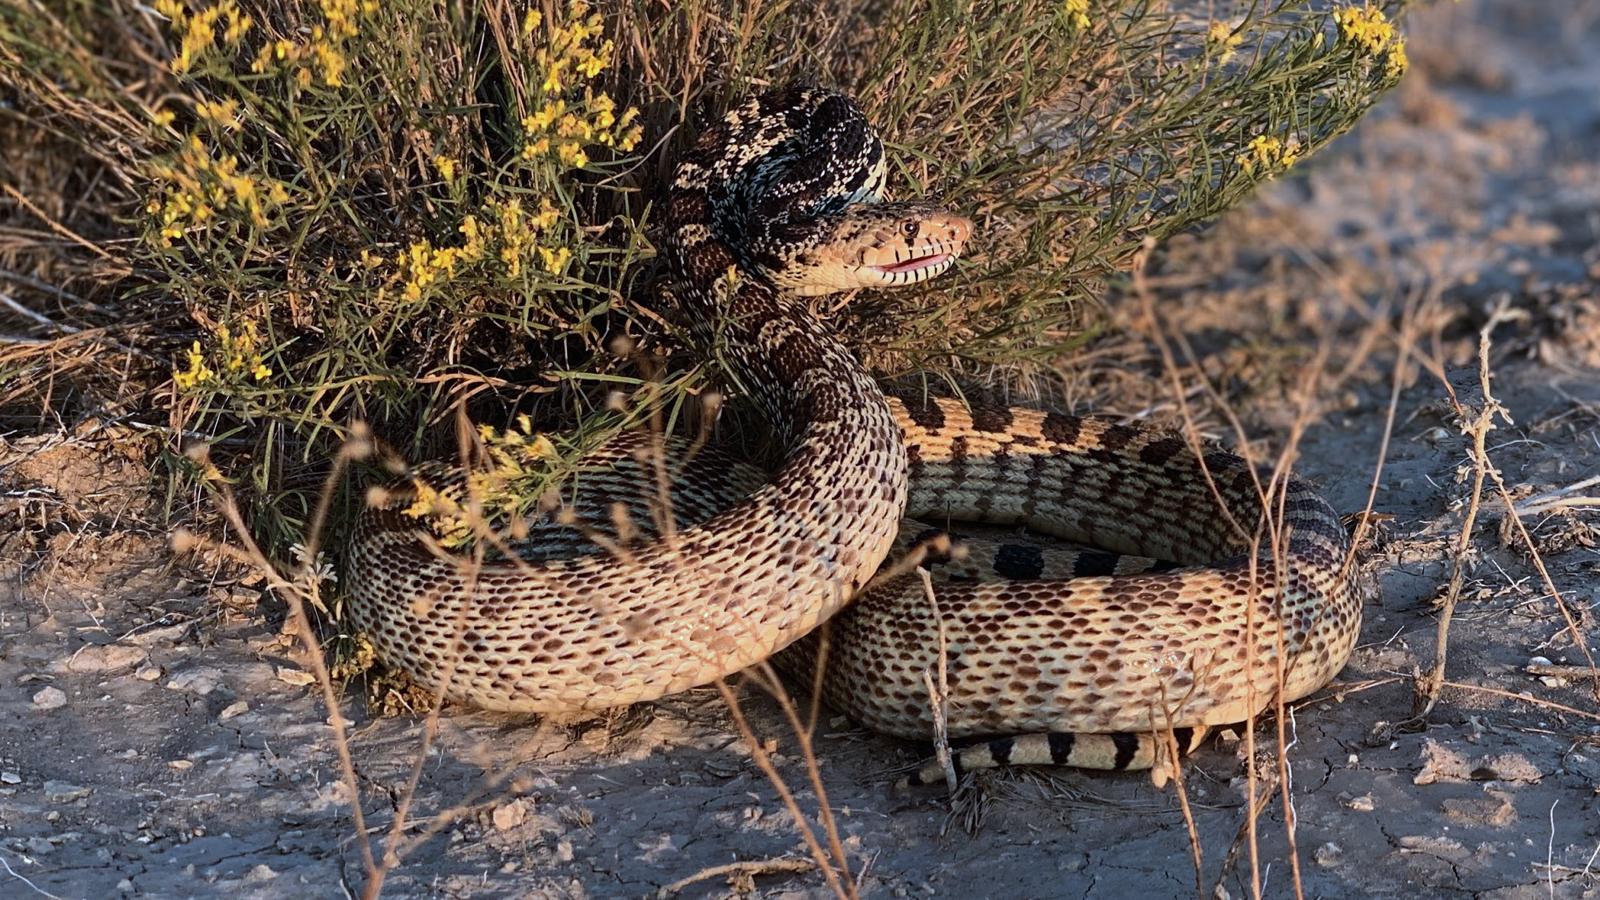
(1192, 612)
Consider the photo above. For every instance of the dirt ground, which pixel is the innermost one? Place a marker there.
(159, 737)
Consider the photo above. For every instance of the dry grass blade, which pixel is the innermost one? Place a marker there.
(938, 685)
(838, 881)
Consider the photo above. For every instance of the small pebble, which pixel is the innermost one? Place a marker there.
(1362, 803)
(98, 658)
(233, 710)
(296, 677)
(1328, 855)
(148, 672)
(181, 765)
(1073, 862)
(509, 815)
(199, 682)
(10, 777)
(261, 872)
(49, 698)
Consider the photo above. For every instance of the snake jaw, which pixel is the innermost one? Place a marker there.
(873, 245)
(920, 247)
(916, 264)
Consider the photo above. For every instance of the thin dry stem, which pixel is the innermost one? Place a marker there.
(939, 690)
(763, 759)
(742, 871)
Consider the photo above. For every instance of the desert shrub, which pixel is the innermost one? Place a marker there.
(391, 211)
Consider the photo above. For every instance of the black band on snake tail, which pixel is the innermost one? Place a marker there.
(1117, 752)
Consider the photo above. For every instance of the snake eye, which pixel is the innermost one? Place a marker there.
(910, 229)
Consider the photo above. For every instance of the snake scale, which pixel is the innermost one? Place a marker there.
(1192, 610)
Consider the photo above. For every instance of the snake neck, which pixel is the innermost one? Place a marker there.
(798, 373)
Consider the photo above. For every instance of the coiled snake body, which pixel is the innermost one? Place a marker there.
(1191, 613)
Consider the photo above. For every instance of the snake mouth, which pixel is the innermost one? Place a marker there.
(916, 268)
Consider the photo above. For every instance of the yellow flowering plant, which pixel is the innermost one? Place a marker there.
(236, 358)
(1368, 30)
(382, 210)
(519, 464)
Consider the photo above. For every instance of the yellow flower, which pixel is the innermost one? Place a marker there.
(223, 113)
(424, 502)
(239, 23)
(1367, 26)
(1269, 153)
(547, 215)
(1372, 34)
(472, 250)
(604, 109)
(1395, 63)
(197, 372)
(552, 78)
(1077, 13)
(198, 37)
(1223, 37)
(546, 116)
(555, 260)
(446, 167)
(571, 154)
(592, 64)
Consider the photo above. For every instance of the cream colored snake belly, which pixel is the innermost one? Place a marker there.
(1211, 589)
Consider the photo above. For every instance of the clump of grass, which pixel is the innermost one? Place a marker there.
(350, 210)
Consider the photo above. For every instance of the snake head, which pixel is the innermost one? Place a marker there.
(876, 246)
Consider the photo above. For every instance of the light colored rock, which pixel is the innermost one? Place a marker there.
(100, 658)
(296, 677)
(509, 815)
(1362, 803)
(198, 681)
(155, 636)
(233, 710)
(49, 698)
